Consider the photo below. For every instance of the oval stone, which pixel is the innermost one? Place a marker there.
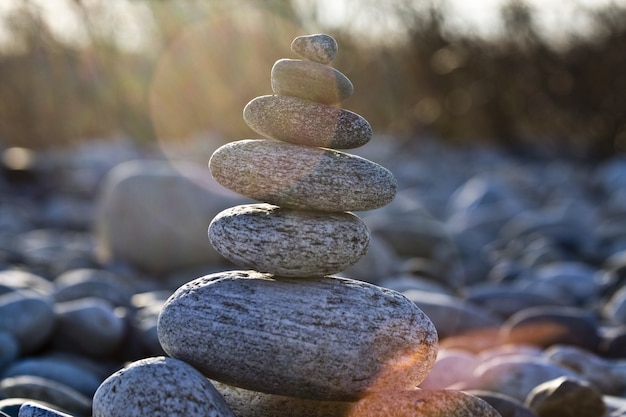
(305, 122)
(411, 403)
(320, 48)
(326, 338)
(292, 243)
(310, 80)
(158, 386)
(302, 177)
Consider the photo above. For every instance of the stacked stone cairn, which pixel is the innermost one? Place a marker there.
(284, 337)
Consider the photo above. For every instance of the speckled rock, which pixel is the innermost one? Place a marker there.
(246, 403)
(286, 242)
(158, 386)
(305, 122)
(310, 80)
(320, 48)
(318, 338)
(302, 177)
(48, 391)
(422, 403)
(28, 316)
(566, 397)
(36, 409)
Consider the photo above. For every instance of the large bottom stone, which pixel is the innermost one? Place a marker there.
(319, 338)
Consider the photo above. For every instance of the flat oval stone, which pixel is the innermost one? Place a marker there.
(319, 47)
(327, 338)
(158, 386)
(310, 80)
(292, 243)
(411, 403)
(302, 177)
(305, 122)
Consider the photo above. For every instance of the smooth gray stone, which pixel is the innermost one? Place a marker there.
(310, 80)
(89, 326)
(65, 371)
(158, 386)
(566, 397)
(320, 48)
(153, 214)
(246, 403)
(305, 122)
(87, 282)
(286, 242)
(28, 316)
(302, 177)
(416, 403)
(328, 338)
(15, 279)
(48, 391)
(505, 405)
(35, 409)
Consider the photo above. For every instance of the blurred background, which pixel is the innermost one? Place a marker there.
(547, 77)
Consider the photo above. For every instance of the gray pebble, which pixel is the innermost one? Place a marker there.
(320, 48)
(447, 403)
(158, 386)
(15, 279)
(28, 316)
(48, 391)
(305, 122)
(310, 80)
(566, 397)
(302, 177)
(505, 405)
(36, 409)
(292, 243)
(98, 283)
(318, 338)
(89, 326)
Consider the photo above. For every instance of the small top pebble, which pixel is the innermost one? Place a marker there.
(319, 48)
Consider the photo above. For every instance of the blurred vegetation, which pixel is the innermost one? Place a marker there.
(206, 60)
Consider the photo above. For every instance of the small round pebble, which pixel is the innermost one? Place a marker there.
(302, 177)
(566, 397)
(310, 81)
(305, 122)
(414, 403)
(318, 338)
(320, 48)
(158, 386)
(286, 242)
(28, 316)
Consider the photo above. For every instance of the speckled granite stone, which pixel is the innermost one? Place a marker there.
(319, 47)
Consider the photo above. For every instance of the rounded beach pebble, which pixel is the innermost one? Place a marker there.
(310, 80)
(292, 243)
(305, 122)
(302, 177)
(320, 48)
(412, 403)
(158, 386)
(332, 339)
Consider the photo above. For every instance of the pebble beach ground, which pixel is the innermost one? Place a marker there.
(519, 263)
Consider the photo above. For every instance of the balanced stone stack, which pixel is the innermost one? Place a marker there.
(285, 327)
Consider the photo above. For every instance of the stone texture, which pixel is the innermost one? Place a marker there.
(318, 338)
(246, 403)
(566, 397)
(286, 242)
(151, 214)
(158, 386)
(320, 48)
(412, 403)
(35, 409)
(310, 80)
(302, 177)
(305, 122)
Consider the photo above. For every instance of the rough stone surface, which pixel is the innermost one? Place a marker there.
(35, 409)
(152, 215)
(310, 80)
(320, 48)
(318, 338)
(566, 397)
(286, 242)
(246, 403)
(302, 177)
(158, 386)
(436, 403)
(305, 122)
